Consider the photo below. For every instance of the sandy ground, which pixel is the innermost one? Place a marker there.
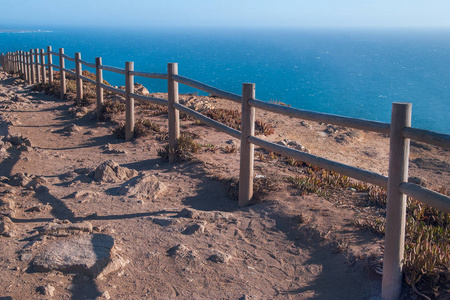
(286, 246)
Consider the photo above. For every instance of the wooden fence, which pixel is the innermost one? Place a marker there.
(36, 65)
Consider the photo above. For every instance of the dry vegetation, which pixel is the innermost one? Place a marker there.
(427, 249)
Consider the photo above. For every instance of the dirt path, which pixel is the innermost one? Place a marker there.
(288, 246)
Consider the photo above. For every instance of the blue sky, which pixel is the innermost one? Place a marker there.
(227, 13)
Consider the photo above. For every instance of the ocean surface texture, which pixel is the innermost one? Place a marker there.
(356, 73)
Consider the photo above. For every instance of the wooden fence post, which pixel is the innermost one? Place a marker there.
(78, 79)
(37, 62)
(14, 63)
(36, 66)
(2, 57)
(62, 73)
(49, 64)
(28, 60)
(22, 61)
(99, 89)
(43, 75)
(247, 149)
(19, 67)
(29, 67)
(174, 114)
(32, 68)
(129, 88)
(396, 203)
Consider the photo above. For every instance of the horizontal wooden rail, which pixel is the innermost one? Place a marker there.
(88, 64)
(207, 88)
(68, 57)
(113, 69)
(70, 72)
(45, 53)
(426, 196)
(54, 53)
(111, 89)
(55, 66)
(427, 136)
(88, 79)
(153, 100)
(374, 126)
(149, 75)
(217, 125)
(353, 172)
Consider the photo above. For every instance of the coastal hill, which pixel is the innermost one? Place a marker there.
(87, 215)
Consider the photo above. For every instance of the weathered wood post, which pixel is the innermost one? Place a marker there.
(62, 73)
(36, 60)
(49, 64)
(18, 64)
(78, 79)
(396, 203)
(43, 75)
(30, 75)
(174, 114)
(99, 89)
(22, 63)
(2, 61)
(247, 149)
(18, 70)
(129, 88)
(14, 62)
(32, 67)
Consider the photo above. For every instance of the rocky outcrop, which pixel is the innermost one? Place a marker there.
(86, 254)
(110, 171)
(143, 187)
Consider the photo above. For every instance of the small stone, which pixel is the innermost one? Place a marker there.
(39, 208)
(71, 128)
(220, 257)
(418, 180)
(164, 222)
(143, 187)
(178, 250)
(110, 171)
(26, 257)
(197, 228)
(20, 179)
(46, 290)
(6, 226)
(105, 295)
(188, 213)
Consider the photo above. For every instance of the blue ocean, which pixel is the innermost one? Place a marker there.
(350, 72)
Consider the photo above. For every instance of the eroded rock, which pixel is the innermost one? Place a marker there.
(110, 171)
(88, 255)
(66, 228)
(143, 187)
(6, 226)
(196, 228)
(220, 257)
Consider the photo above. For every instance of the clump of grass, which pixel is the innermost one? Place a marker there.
(111, 108)
(154, 109)
(145, 127)
(377, 225)
(232, 118)
(427, 249)
(230, 149)
(183, 150)
(142, 127)
(48, 88)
